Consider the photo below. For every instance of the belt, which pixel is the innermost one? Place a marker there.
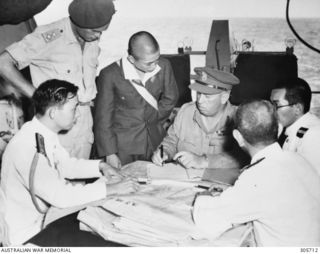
(88, 103)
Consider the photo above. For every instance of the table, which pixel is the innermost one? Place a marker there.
(159, 214)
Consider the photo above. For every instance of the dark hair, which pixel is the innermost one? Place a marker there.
(134, 38)
(257, 122)
(297, 91)
(52, 92)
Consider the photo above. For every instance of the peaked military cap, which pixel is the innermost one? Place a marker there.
(211, 81)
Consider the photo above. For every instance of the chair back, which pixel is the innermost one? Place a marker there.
(180, 64)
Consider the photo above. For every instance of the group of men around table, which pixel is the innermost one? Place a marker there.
(279, 191)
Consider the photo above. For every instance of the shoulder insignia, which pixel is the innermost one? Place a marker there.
(52, 35)
(301, 132)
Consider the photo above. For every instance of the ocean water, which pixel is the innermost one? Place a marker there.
(265, 34)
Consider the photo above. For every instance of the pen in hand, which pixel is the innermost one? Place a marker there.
(161, 154)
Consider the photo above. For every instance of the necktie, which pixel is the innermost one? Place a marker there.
(282, 138)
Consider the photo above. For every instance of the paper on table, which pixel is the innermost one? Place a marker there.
(173, 171)
(101, 222)
(155, 216)
(136, 169)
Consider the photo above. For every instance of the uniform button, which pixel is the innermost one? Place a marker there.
(61, 31)
(68, 71)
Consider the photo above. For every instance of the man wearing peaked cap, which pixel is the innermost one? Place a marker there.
(66, 50)
(201, 135)
(211, 81)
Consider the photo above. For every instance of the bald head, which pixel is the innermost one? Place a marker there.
(142, 43)
(257, 122)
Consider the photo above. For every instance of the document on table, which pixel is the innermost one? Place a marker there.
(155, 216)
(173, 171)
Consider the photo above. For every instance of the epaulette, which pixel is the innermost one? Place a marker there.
(301, 132)
(52, 35)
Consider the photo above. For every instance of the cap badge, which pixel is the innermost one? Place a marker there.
(204, 76)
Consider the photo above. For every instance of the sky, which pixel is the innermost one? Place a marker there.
(195, 8)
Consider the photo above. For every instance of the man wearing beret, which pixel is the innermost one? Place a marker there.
(67, 50)
(201, 135)
(135, 96)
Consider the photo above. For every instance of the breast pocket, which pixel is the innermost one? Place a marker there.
(189, 146)
(67, 71)
(127, 96)
(220, 143)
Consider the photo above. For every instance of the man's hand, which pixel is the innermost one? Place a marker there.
(125, 186)
(191, 160)
(109, 172)
(114, 161)
(6, 135)
(156, 157)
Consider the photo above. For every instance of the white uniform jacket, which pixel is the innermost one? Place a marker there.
(305, 141)
(23, 219)
(280, 195)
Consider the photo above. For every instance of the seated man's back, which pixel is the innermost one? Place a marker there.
(278, 192)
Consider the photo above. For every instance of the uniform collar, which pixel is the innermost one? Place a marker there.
(130, 72)
(69, 32)
(44, 130)
(293, 128)
(71, 37)
(267, 152)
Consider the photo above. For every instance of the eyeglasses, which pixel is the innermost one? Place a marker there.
(281, 106)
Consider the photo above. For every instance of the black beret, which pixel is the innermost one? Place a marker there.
(91, 13)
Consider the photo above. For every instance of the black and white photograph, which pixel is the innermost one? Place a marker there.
(159, 123)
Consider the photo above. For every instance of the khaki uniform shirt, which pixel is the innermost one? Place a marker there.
(280, 195)
(188, 133)
(307, 145)
(53, 52)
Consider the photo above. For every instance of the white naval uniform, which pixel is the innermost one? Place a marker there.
(280, 195)
(53, 52)
(305, 142)
(21, 216)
